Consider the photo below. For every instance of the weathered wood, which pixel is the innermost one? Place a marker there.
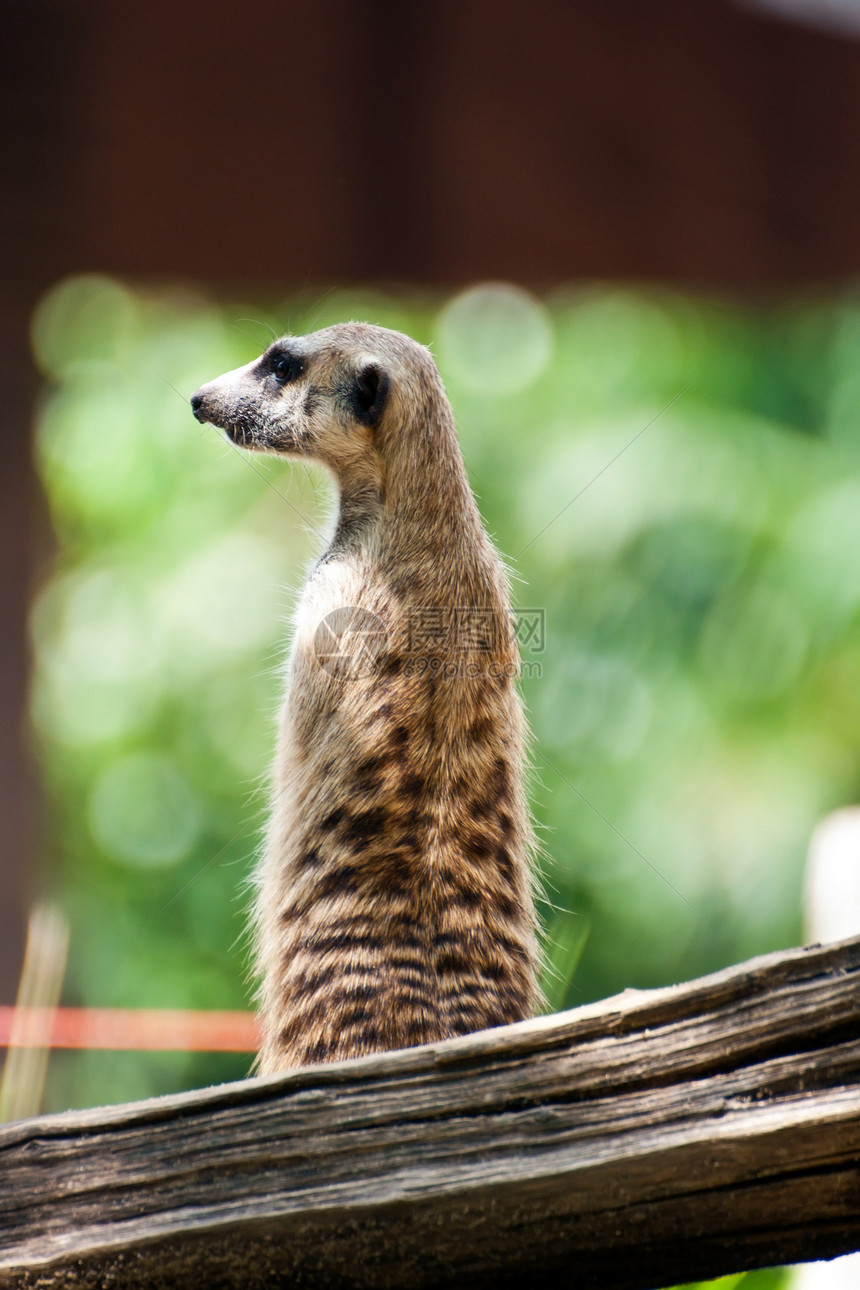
(653, 1138)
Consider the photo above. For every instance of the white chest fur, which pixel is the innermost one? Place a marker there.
(335, 585)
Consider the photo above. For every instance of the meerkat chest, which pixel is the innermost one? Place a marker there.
(333, 630)
(333, 616)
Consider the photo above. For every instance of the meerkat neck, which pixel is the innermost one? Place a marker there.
(417, 497)
(360, 506)
(427, 499)
(358, 513)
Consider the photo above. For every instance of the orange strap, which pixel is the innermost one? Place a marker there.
(215, 1032)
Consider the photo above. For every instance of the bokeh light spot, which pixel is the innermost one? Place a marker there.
(142, 812)
(754, 642)
(83, 320)
(495, 339)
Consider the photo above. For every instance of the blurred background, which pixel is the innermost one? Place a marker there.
(629, 230)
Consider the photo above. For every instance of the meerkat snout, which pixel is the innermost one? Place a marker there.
(298, 399)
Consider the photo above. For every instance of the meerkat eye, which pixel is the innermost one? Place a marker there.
(286, 367)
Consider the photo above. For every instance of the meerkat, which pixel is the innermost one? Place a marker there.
(394, 899)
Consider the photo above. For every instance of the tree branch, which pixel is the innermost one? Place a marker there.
(653, 1138)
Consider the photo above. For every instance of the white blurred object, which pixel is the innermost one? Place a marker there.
(841, 1274)
(841, 17)
(831, 912)
(831, 897)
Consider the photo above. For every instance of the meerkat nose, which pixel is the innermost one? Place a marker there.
(196, 402)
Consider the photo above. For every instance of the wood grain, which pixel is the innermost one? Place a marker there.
(653, 1138)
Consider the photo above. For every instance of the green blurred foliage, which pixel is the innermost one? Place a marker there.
(674, 480)
(765, 1279)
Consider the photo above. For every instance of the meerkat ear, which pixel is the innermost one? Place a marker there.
(370, 393)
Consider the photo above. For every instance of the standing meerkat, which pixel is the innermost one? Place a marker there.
(394, 903)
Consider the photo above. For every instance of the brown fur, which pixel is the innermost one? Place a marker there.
(394, 903)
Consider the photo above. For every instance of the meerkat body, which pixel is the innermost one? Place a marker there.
(394, 903)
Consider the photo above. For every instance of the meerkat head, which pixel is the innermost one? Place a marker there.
(334, 396)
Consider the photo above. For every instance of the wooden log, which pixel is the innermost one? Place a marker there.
(653, 1138)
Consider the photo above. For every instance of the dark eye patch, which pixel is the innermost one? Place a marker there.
(285, 366)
